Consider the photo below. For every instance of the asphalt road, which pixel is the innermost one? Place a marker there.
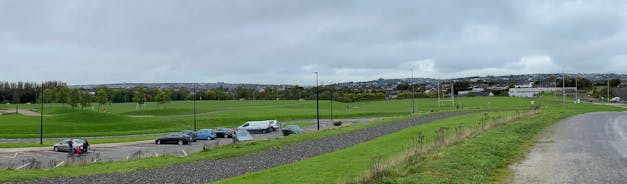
(588, 148)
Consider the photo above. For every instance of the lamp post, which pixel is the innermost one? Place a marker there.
(563, 88)
(194, 107)
(413, 103)
(332, 91)
(41, 115)
(317, 103)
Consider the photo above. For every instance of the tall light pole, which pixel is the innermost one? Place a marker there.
(194, 107)
(413, 103)
(332, 91)
(317, 103)
(41, 115)
(576, 89)
(563, 88)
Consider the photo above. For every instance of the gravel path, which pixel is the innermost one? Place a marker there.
(212, 170)
(588, 148)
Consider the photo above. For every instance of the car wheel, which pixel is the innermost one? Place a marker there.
(158, 141)
(180, 142)
(264, 131)
(56, 149)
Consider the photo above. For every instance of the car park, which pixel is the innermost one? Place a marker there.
(243, 135)
(78, 145)
(292, 129)
(206, 134)
(176, 138)
(256, 126)
(191, 134)
(222, 132)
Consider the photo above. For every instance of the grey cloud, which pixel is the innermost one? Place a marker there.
(286, 41)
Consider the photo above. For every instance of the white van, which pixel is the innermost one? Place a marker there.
(261, 126)
(275, 124)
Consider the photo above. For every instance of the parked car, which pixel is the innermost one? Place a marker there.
(175, 137)
(292, 129)
(243, 135)
(77, 144)
(275, 124)
(222, 132)
(206, 134)
(256, 126)
(191, 134)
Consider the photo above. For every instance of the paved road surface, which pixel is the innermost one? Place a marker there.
(589, 148)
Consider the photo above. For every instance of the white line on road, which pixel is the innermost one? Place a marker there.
(184, 152)
(59, 164)
(22, 166)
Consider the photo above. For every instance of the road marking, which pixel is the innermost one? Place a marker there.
(59, 164)
(184, 152)
(22, 166)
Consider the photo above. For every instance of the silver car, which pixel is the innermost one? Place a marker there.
(76, 143)
(243, 135)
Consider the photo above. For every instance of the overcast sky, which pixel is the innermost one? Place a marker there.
(267, 41)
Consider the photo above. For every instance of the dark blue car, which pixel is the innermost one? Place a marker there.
(206, 134)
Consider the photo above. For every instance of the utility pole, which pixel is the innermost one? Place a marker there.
(413, 103)
(194, 107)
(317, 103)
(41, 115)
(453, 94)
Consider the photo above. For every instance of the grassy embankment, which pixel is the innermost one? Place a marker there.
(397, 158)
(157, 162)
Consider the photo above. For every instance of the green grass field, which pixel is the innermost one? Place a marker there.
(63, 122)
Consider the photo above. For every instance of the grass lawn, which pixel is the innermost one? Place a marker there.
(479, 159)
(116, 121)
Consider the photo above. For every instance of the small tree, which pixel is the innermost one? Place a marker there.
(73, 98)
(62, 95)
(163, 97)
(140, 98)
(101, 98)
(86, 99)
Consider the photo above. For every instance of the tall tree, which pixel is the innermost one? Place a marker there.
(73, 98)
(101, 98)
(85, 99)
(140, 98)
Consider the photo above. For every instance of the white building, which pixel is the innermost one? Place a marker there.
(531, 92)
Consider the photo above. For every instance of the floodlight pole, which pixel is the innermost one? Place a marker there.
(194, 107)
(317, 103)
(41, 115)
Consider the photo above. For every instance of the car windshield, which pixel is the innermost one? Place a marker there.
(205, 130)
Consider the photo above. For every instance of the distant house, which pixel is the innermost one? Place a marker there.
(530, 85)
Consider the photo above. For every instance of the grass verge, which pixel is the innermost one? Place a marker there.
(163, 161)
(478, 159)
